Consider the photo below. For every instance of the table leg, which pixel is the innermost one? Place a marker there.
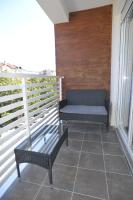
(18, 170)
(50, 176)
(67, 141)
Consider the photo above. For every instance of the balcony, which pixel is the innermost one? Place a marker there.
(93, 166)
(93, 50)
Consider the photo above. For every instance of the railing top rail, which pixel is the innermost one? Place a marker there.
(24, 75)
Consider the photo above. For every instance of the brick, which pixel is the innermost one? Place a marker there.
(83, 49)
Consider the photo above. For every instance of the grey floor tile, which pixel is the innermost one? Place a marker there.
(73, 145)
(68, 157)
(92, 147)
(21, 190)
(63, 177)
(120, 187)
(78, 127)
(105, 130)
(114, 149)
(117, 164)
(33, 173)
(83, 197)
(93, 129)
(53, 194)
(91, 161)
(93, 137)
(110, 137)
(91, 183)
(76, 135)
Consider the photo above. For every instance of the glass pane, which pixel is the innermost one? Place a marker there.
(126, 72)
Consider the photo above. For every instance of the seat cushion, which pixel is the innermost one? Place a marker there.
(88, 97)
(85, 110)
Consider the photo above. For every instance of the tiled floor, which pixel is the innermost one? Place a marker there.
(93, 167)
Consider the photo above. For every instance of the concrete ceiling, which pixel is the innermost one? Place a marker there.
(58, 10)
(76, 5)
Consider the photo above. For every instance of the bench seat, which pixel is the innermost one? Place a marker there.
(85, 110)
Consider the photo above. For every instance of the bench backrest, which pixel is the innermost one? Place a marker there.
(86, 97)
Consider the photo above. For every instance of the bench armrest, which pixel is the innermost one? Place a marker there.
(62, 103)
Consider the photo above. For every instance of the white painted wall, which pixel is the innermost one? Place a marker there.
(121, 4)
(115, 60)
(76, 5)
(56, 10)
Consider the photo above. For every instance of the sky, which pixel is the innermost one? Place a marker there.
(26, 35)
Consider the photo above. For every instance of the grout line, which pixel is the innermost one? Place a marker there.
(69, 191)
(124, 152)
(110, 142)
(75, 166)
(55, 188)
(113, 155)
(94, 141)
(89, 152)
(41, 185)
(31, 183)
(107, 154)
(89, 140)
(77, 169)
(111, 172)
(89, 196)
(104, 166)
(65, 165)
(74, 139)
(61, 189)
(38, 191)
(116, 143)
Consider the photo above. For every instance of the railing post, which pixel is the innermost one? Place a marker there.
(60, 87)
(26, 110)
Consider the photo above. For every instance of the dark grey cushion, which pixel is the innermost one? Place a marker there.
(83, 109)
(86, 97)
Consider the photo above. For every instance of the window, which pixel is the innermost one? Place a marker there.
(126, 72)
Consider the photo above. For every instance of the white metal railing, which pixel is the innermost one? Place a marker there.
(26, 101)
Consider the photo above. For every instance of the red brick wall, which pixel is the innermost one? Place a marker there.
(83, 49)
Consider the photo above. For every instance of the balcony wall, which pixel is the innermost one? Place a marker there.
(83, 49)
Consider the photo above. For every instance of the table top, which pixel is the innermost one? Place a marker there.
(44, 139)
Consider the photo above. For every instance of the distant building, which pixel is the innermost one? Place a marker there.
(48, 72)
(6, 67)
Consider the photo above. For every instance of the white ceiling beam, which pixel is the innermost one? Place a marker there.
(56, 10)
(77, 5)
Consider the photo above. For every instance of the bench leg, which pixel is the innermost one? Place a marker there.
(50, 176)
(18, 170)
(67, 141)
(107, 125)
(61, 126)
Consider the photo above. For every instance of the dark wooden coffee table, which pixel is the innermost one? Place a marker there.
(42, 147)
